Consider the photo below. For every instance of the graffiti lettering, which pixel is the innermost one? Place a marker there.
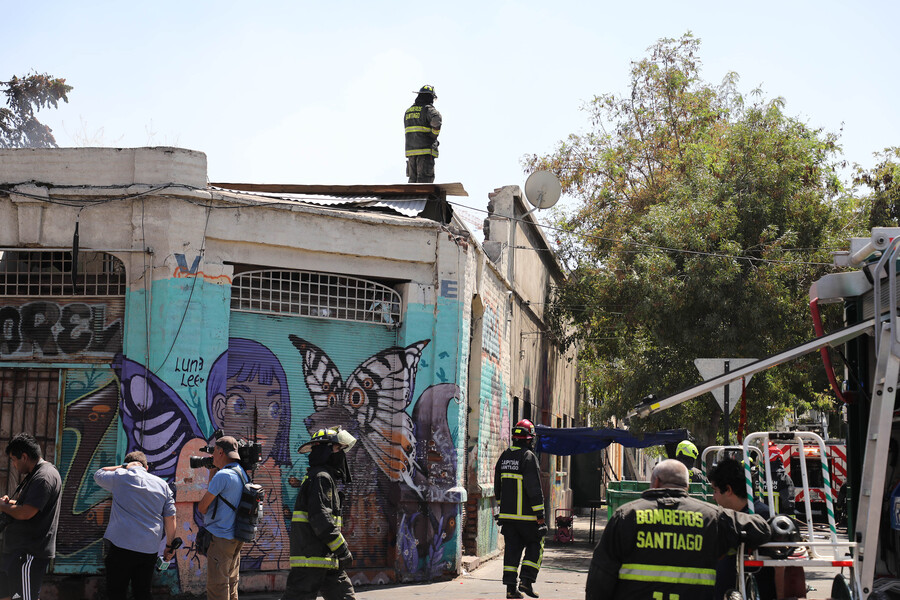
(52, 329)
(189, 369)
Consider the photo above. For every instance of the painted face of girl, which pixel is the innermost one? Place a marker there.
(251, 402)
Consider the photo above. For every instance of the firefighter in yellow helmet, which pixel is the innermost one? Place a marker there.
(422, 125)
(319, 553)
(686, 453)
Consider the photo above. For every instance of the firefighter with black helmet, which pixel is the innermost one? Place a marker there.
(666, 544)
(686, 452)
(517, 487)
(422, 125)
(319, 552)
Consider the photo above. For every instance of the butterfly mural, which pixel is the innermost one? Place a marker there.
(371, 403)
(414, 452)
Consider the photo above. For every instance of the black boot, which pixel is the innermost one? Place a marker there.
(513, 592)
(525, 586)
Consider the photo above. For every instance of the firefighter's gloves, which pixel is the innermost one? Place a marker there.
(345, 559)
(542, 527)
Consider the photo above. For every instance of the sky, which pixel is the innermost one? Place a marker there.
(314, 92)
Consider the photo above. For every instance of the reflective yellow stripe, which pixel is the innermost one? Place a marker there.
(420, 129)
(301, 516)
(421, 152)
(436, 131)
(667, 574)
(510, 476)
(321, 562)
(518, 517)
(513, 569)
(537, 507)
(336, 543)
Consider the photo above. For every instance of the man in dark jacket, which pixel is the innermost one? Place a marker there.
(319, 552)
(666, 544)
(422, 124)
(517, 487)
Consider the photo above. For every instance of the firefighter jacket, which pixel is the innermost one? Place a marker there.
(517, 486)
(316, 539)
(665, 545)
(422, 126)
(784, 491)
(697, 476)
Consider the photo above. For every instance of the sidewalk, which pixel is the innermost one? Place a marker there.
(562, 577)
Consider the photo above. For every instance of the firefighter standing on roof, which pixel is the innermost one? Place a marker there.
(422, 124)
(517, 486)
(319, 552)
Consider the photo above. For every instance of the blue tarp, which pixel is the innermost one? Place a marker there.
(579, 440)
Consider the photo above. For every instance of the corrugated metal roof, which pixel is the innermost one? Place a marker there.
(409, 207)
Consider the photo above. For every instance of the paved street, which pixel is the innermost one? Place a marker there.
(562, 577)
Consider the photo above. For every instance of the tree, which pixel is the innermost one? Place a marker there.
(884, 181)
(19, 128)
(701, 221)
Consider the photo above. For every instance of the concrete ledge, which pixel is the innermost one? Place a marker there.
(103, 166)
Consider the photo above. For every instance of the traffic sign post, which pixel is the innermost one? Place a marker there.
(714, 367)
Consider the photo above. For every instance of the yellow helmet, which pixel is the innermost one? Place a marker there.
(687, 448)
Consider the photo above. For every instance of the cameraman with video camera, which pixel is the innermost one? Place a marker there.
(224, 554)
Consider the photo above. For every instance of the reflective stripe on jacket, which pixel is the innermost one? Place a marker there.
(517, 485)
(422, 125)
(315, 524)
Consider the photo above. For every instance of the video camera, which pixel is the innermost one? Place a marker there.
(250, 453)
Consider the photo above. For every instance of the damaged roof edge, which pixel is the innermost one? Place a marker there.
(393, 189)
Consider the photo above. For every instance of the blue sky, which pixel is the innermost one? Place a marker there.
(313, 92)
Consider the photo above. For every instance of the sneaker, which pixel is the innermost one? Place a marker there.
(513, 592)
(525, 586)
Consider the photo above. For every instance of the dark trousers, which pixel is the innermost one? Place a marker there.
(21, 575)
(519, 537)
(420, 169)
(127, 566)
(307, 583)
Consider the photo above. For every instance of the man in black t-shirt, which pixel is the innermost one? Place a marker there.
(32, 514)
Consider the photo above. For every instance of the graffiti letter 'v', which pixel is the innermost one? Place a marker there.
(182, 263)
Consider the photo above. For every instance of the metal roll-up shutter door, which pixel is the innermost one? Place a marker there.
(316, 357)
(87, 442)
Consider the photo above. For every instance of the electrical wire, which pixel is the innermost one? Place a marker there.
(650, 246)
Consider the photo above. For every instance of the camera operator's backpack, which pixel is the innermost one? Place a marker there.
(249, 510)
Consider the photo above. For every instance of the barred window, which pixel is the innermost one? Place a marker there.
(49, 273)
(318, 295)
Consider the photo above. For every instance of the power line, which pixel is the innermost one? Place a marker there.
(652, 246)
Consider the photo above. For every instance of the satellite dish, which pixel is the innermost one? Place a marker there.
(542, 189)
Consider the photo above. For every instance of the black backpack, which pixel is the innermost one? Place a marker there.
(249, 510)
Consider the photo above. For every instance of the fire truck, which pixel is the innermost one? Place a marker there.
(868, 288)
(836, 460)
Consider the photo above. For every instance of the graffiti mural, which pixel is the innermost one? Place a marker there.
(42, 329)
(403, 504)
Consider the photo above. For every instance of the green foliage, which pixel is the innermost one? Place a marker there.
(702, 219)
(19, 128)
(884, 181)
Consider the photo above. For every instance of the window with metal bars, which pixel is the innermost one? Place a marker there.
(48, 273)
(28, 403)
(318, 295)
